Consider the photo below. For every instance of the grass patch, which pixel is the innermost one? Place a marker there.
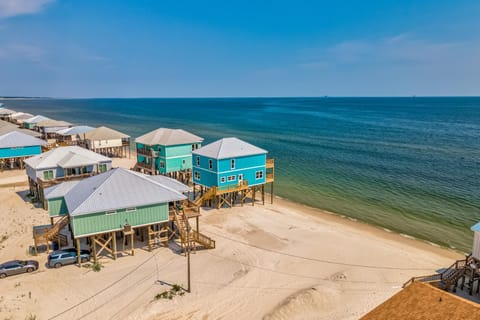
(31, 317)
(97, 266)
(176, 290)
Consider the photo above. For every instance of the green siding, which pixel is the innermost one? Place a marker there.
(57, 207)
(101, 222)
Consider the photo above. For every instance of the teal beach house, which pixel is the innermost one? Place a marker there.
(166, 151)
(16, 146)
(231, 165)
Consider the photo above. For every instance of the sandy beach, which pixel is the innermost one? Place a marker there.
(280, 261)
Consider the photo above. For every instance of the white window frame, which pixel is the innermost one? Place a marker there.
(110, 212)
(131, 209)
(222, 180)
(198, 161)
(196, 175)
(210, 164)
(232, 178)
(259, 175)
(162, 164)
(232, 164)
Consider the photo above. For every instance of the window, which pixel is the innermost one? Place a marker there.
(162, 164)
(102, 167)
(48, 175)
(197, 175)
(240, 177)
(232, 178)
(183, 161)
(210, 164)
(194, 147)
(110, 212)
(198, 161)
(259, 175)
(130, 209)
(222, 179)
(232, 164)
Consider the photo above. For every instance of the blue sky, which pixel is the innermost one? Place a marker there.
(195, 48)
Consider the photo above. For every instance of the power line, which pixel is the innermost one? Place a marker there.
(317, 259)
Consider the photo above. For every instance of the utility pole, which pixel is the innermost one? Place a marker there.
(188, 256)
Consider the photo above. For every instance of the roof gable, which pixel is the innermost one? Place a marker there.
(63, 155)
(229, 148)
(168, 137)
(36, 119)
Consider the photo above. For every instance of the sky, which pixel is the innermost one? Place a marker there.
(262, 48)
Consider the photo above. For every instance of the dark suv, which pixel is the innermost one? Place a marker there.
(60, 258)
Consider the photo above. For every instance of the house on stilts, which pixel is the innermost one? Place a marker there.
(167, 152)
(231, 170)
(72, 136)
(117, 211)
(15, 147)
(106, 141)
(31, 123)
(62, 164)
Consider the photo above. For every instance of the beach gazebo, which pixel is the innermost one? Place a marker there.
(230, 166)
(168, 152)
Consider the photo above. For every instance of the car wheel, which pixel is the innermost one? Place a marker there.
(83, 260)
(29, 270)
(57, 265)
(2, 275)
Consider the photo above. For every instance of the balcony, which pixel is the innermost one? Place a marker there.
(270, 177)
(51, 182)
(147, 153)
(270, 163)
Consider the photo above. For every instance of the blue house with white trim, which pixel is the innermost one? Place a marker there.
(229, 162)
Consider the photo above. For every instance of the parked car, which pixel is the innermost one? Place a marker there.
(63, 257)
(11, 268)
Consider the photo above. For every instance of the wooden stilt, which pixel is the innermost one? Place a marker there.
(263, 194)
(114, 244)
(271, 193)
(132, 244)
(94, 248)
(79, 258)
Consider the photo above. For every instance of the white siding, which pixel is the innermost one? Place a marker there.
(105, 143)
(476, 245)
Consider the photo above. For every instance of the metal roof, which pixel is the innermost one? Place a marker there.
(75, 160)
(53, 158)
(170, 183)
(36, 119)
(59, 190)
(6, 127)
(21, 116)
(74, 130)
(168, 137)
(116, 189)
(476, 227)
(5, 111)
(18, 139)
(53, 123)
(228, 148)
(104, 133)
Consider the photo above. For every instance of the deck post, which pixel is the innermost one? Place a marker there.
(114, 244)
(79, 258)
(196, 224)
(149, 237)
(271, 193)
(94, 248)
(253, 196)
(263, 194)
(131, 242)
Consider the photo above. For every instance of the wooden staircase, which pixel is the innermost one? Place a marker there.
(210, 194)
(188, 234)
(446, 279)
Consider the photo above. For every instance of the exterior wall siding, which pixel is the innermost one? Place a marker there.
(20, 152)
(245, 166)
(97, 144)
(175, 158)
(57, 207)
(101, 222)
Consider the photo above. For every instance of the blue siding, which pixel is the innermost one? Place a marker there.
(20, 152)
(245, 166)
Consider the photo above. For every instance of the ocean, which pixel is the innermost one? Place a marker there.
(409, 165)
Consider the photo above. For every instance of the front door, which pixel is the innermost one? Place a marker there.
(240, 178)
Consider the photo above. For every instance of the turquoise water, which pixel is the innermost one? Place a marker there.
(411, 165)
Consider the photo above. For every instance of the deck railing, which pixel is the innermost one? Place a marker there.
(270, 163)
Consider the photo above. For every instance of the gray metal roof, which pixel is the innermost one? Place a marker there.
(18, 139)
(170, 183)
(59, 190)
(36, 119)
(168, 137)
(5, 111)
(104, 133)
(53, 158)
(116, 189)
(228, 148)
(74, 130)
(21, 116)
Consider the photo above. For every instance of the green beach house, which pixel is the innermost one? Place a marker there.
(166, 151)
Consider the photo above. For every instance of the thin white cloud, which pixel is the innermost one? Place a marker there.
(12, 8)
(21, 51)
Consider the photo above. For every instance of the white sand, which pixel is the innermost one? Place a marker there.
(281, 261)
